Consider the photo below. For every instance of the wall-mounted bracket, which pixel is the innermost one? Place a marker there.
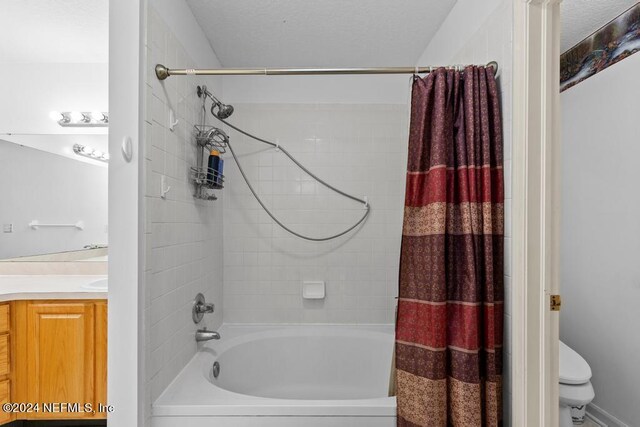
(173, 121)
(164, 189)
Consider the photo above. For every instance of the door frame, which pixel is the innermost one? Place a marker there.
(125, 365)
(536, 215)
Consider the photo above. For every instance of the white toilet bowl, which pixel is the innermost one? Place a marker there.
(576, 390)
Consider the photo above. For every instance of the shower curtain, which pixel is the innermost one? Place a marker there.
(450, 307)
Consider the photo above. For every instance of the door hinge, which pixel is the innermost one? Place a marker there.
(556, 303)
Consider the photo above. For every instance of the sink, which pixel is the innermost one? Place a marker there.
(96, 285)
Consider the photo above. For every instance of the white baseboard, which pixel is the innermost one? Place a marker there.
(602, 417)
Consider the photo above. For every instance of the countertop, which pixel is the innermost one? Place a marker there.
(48, 287)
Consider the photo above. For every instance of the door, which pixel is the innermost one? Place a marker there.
(61, 357)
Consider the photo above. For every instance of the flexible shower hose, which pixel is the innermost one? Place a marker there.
(329, 186)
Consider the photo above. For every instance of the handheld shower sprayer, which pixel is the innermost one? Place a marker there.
(224, 110)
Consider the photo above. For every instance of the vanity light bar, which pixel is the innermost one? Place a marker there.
(86, 151)
(81, 119)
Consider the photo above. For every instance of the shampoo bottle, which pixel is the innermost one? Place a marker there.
(213, 167)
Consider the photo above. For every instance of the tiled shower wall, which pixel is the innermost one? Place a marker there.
(360, 149)
(183, 236)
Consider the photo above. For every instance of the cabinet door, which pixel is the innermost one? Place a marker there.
(60, 356)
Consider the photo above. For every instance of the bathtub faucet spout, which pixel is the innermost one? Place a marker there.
(205, 335)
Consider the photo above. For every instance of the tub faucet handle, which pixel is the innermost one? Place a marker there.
(205, 307)
(200, 307)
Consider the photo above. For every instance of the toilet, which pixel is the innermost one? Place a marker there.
(576, 391)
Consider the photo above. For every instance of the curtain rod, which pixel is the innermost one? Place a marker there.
(163, 72)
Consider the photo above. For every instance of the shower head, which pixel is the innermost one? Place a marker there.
(224, 110)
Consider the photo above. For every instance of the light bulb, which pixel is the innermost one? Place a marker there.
(76, 116)
(56, 116)
(83, 150)
(97, 116)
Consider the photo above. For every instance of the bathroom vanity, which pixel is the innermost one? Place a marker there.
(53, 347)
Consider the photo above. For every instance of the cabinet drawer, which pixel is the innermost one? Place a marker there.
(4, 355)
(4, 398)
(4, 318)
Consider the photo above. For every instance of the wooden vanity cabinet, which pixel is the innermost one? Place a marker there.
(61, 355)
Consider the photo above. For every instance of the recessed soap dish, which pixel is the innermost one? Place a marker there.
(313, 290)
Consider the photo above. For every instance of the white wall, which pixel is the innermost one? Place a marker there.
(183, 236)
(37, 89)
(601, 233)
(463, 36)
(360, 149)
(51, 189)
(476, 33)
(42, 88)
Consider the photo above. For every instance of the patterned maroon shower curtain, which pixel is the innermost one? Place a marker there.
(450, 308)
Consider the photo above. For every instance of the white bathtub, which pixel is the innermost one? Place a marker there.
(285, 376)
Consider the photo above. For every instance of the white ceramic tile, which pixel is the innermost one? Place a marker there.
(184, 235)
(336, 144)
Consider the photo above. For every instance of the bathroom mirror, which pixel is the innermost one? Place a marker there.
(54, 207)
(53, 131)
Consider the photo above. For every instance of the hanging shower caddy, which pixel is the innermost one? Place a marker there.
(207, 138)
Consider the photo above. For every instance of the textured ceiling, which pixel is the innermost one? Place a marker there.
(268, 33)
(580, 18)
(319, 33)
(71, 31)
